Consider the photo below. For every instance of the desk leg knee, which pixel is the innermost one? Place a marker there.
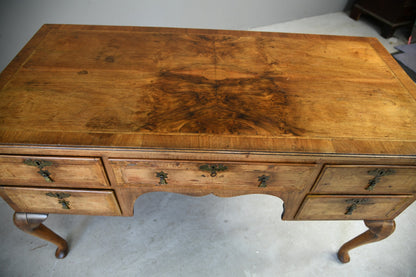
(377, 230)
(32, 224)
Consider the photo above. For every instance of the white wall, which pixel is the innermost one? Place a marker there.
(20, 19)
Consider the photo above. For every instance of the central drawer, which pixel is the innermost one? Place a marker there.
(221, 175)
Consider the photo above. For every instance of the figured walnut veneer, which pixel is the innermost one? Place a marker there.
(92, 117)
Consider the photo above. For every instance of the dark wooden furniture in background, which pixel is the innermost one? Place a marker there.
(413, 33)
(391, 14)
(92, 117)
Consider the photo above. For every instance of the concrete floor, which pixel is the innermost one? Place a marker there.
(338, 24)
(177, 235)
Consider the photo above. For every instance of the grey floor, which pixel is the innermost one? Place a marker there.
(177, 235)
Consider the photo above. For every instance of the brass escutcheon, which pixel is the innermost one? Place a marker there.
(38, 163)
(213, 168)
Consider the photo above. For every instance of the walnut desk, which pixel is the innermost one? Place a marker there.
(92, 117)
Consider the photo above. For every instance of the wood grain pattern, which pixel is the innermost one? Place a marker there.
(206, 89)
(64, 171)
(111, 107)
(356, 179)
(336, 207)
(37, 200)
(204, 155)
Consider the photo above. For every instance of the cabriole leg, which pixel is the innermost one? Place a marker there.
(32, 224)
(378, 230)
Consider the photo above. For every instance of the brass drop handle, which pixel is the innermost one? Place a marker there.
(41, 164)
(45, 174)
(372, 183)
(64, 203)
(162, 177)
(213, 168)
(61, 199)
(350, 209)
(378, 173)
(354, 204)
(262, 181)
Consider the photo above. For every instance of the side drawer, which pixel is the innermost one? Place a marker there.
(61, 201)
(380, 207)
(52, 171)
(376, 179)
(222, 175)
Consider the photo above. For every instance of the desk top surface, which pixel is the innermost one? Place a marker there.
(207, 89)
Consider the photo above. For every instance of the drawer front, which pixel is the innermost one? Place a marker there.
(62, 201)
(222, 175)
(52, 171)
(353, 179)
(353, 207)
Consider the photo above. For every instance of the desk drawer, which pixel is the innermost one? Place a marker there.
(62, 201)
(222, 175)
(52, 171)
(354, 179)
(334, 207)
